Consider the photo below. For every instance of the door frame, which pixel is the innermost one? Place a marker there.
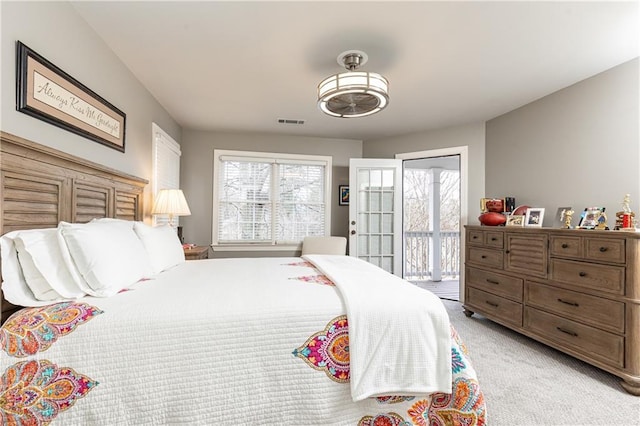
(463, 152)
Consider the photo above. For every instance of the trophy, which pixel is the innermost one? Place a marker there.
(625, 220)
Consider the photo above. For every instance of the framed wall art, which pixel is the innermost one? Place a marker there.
(343, 195)
(534, 217)
(46, 92)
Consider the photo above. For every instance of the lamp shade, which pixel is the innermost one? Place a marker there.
(171, 202)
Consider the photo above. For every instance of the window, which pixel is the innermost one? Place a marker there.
(269, 199)
(166, 167)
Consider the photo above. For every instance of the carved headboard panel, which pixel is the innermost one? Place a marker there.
(41, 186)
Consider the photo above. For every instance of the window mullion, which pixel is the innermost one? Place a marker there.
(275, 196)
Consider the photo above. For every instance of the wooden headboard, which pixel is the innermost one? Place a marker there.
(41, 186)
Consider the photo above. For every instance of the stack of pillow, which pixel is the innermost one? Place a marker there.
(99, 258)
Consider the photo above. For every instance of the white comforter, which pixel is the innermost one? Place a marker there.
(227, 341)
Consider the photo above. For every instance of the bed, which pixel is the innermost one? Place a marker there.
(312, 340)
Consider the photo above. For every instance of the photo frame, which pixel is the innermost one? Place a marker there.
(534, 217)
(558, 220)
(46, 92)
(515, 220)
(589, 217)
(343, 195)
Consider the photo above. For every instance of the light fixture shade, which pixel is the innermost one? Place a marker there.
(171, 202)
(353, 93)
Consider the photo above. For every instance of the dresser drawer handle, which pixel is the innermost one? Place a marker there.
(571, 333)
(565, 245)
(475, 237)
(566, 302)
(492, 281)
(495, 305)
(494, 239)
(583, 274)
(603, 249)
(483, 256)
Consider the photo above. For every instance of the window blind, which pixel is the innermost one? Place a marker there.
(166, 167)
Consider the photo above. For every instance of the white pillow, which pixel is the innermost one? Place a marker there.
(43, 265)
(35, 280)
(128, 223)
(14, 286)
(107, 254)
(162, 244)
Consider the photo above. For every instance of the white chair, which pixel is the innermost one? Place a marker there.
(324, 245)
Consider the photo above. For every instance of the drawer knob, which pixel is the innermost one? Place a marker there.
(475, 237)
(566, 302)
(565, 245)
(493, 238)
(492, 281)
(495, 305)
(483, 256)
(582, 274)
(569, 332)
(507, 251)
(603, 249)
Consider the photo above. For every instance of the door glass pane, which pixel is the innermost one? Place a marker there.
(376, 204)
(363, 223)
(363, 179)
(387, 179)
(376, 244)
(387, 201)
(387, 223)
(376, 179)
(375, 223)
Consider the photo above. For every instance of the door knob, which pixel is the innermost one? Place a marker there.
(353, 232)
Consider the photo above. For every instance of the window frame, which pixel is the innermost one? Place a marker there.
(274, 158)
(163, 141)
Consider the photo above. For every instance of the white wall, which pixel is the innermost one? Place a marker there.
(196, 174)
(59, 34)
(470, 135)
(577, 147)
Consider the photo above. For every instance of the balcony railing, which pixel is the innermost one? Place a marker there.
(425, 259)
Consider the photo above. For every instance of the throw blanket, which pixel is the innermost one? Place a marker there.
(399, 336)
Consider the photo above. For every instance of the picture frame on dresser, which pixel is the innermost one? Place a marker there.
(515, 220)
(589, 217)
(534, 217)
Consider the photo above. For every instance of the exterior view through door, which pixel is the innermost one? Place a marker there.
(426, 248)
(431, 224)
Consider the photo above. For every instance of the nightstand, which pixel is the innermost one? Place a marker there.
(197, 252)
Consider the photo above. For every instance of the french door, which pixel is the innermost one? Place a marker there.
(375, 212)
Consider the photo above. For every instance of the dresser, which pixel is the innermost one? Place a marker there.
(575, 290)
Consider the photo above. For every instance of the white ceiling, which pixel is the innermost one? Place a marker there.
(240, 66)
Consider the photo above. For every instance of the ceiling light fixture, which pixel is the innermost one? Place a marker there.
(353, 93)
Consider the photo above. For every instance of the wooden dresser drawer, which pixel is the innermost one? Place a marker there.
(475, 237)
(594, 343)
(605, 250)
(493, 239)
(496, 306)
(597, 311)
(485, 257)
(566, 246)
(498, 284)
(604, 278)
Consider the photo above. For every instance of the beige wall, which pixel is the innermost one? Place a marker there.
(196, 174)
(57, 32)
(577, 147)
(470, 135)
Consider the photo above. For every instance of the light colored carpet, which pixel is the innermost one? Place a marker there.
(527, 383)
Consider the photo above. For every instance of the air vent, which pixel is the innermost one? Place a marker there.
(289, 121)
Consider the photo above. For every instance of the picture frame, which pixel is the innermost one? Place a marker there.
(343, 195)
(558, 221)
(515, 220)
(589, 217)
(46, 92)
(534, 217)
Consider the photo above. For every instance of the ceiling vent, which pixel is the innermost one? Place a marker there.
(289, 121)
